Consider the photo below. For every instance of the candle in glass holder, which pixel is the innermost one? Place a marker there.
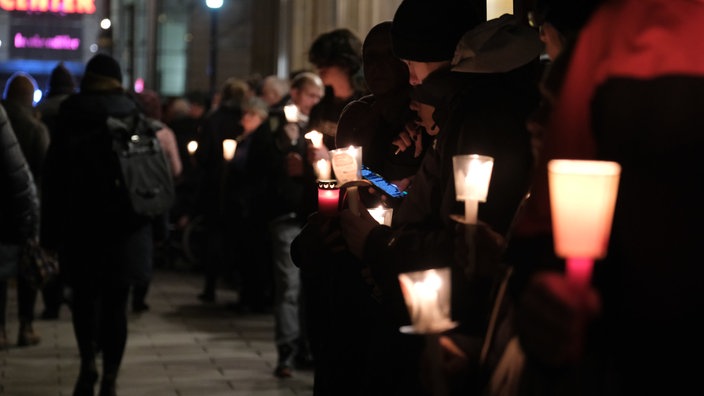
(496, 8)
(192, 146)
(382, 215)
(472, 176)
(427, 297)
(315, 137)
(228, 149)
(323, 169)
(328, 197)
(582, 201)
(347, 164)
(291, 113)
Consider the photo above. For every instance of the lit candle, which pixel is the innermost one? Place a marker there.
(427, 296)
(315, 137)
(291, 113)
(347, 164)
(228, 149)
(381, 214)
(192, 146)
(323, 169)
(328, 197)
(582, 201)
(472, 176)
(496, 8)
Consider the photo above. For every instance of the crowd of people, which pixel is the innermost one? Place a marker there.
(608, 80)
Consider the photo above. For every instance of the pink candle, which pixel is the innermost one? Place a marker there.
(579, 271)
(328, 197)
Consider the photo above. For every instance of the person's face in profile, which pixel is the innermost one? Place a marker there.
(418, 71)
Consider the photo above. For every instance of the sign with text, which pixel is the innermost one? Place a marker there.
(37, 38)
(52, 6)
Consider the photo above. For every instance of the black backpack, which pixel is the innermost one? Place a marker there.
(145, 174)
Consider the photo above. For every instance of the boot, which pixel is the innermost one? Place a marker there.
(107, 386)
(85, 386)
(27, 336)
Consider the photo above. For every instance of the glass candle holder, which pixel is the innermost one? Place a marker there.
(472, 177)
(347, 165)
(328, 197)
(582, 202)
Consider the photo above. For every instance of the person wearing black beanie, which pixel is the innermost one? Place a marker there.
(425, 33)
(481, 79)
(102, 73)
(103, 246)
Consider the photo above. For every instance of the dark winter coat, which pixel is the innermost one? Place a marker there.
(19, 205)
(96, 235)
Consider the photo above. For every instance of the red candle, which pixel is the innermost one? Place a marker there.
(328, 197)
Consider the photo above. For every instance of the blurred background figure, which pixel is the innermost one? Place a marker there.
(150, 104)
(19, 211)
(223, 122)
(33, 138)
(274, 91)
(292, 192)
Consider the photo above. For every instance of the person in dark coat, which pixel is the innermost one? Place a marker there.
(483, 91)
(61, 85)
(102, 245)
(222, 123)
(33, 137)
(632, 93)
(19, 209)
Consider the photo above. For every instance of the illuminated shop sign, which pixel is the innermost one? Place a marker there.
(55, 6)
(46, 42)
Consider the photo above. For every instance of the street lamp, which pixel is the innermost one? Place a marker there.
(214, 6)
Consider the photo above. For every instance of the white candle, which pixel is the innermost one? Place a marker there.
(192, 146)
(291, 112)
(228, 149)
(381, 214)
(427, 297)
(472, 176)
(323, 169)
(315, 137)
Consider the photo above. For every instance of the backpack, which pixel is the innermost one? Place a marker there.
(145, 176)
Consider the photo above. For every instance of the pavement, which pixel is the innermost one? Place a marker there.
(180, 347)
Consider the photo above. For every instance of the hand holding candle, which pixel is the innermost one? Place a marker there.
(582, 201)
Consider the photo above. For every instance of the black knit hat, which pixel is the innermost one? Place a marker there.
(61, 81)
(428, 30)
(339, 47)
(102, 70)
